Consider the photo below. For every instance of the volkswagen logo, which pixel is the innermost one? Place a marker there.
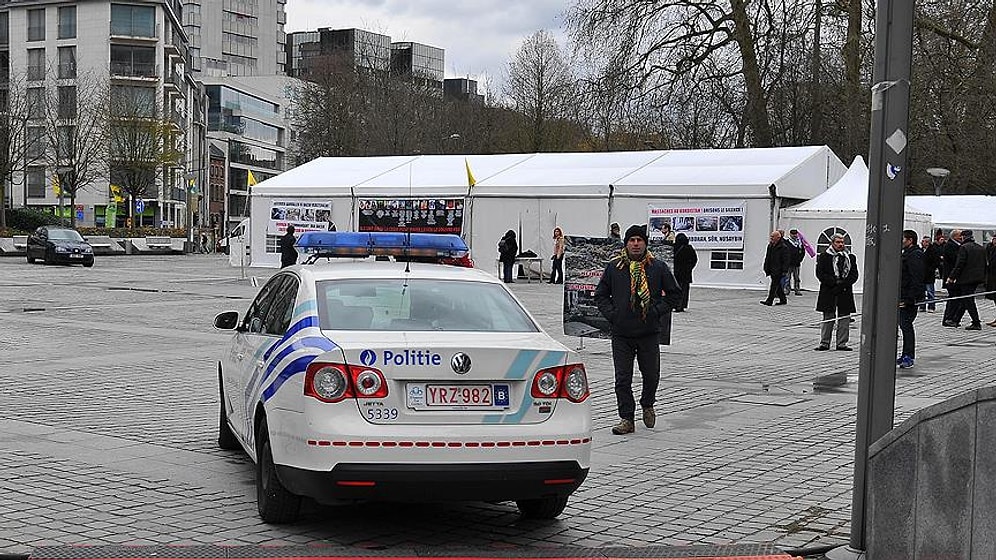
(460, 363)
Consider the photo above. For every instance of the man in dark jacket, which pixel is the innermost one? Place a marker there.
(685, 260)
(288, 254)
(635, 292)
(777, 260)
(798, 253)
(508, 249)
(969, 271)
(949, 256)
(932, 257)
(910, 292)
(837, 271)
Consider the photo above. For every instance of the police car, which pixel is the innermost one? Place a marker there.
(400, 380)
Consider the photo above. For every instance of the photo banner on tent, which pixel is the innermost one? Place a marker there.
(584, 262)
(713, 224)
(417, 215)
(304, 215)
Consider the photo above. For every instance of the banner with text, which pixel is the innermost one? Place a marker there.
(417, 215)
(584, 262)
(304, 215)
(714, 224)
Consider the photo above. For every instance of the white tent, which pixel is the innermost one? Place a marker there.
(842, 209)
(968, 211)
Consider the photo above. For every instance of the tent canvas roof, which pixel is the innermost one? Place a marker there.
(976, 211)
(848, 194)
(580, 173)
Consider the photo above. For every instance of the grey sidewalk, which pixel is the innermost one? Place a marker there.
(108, 422)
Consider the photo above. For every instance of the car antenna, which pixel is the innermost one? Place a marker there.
(408, 228)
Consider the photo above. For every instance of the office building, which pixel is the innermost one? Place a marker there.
(461, 89)
(236, 37)
(356, 48)
(418, 61)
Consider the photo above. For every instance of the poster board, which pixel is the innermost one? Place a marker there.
(304, 215)
(715, 224)
(585, 260)
(416, 215)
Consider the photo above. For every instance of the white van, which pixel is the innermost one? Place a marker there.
(237, 244)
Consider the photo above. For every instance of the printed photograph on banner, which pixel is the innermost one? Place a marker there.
(708, 224)
(584, 261)
(422, 215)
(304, 215)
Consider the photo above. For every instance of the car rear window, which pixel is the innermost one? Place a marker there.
(419, 305)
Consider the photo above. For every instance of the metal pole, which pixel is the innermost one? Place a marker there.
(883, 239)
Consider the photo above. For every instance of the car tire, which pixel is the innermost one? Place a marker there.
(88, 264)
(31, 260)
(275, 503)
(226, 439)
(542, 508)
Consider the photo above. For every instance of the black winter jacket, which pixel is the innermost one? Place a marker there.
(970, 267)
(835, 296)
(949, 257)
(612, 298)
(685, 260)
(777, 258)
(288, 254)
(911, 288)
(932, 263)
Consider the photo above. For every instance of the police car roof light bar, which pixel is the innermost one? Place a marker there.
(420, 246)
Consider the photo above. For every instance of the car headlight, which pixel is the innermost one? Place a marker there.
(61, 249)
(88, 250)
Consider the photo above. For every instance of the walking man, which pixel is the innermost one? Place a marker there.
(797, 253)
(288, 254)
(932, 267)
(837, 271)
(969, 271)
(777, 258)
(635, 292)
(910, 292)
(949, 258)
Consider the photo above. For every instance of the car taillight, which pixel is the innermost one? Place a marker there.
(335, 382)
(563, 382)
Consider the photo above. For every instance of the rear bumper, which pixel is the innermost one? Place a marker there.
(434, 482)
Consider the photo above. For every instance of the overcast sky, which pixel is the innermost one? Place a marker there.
(479, 36)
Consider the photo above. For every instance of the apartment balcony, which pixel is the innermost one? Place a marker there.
(173, 80)
(134, 71)
(135, 32)
(179, 119)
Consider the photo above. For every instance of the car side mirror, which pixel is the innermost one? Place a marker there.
(227, 320)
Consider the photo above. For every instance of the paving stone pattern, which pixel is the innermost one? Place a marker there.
(109, 416)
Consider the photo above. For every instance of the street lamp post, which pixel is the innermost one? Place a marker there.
(939, 174)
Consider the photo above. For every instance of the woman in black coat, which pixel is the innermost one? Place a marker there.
(685, 260)
(507, 250)
(837, 271)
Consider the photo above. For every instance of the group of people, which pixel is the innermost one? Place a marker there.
(782, 260)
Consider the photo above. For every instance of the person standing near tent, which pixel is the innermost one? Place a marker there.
(634, 293)
(910, 292)
(949, 258)
(685, 260)
(991, 274)
(614, 231)
(837, 271)
(288, 254)
(969, 271)
(932, 265)
(557, 274)
(507, 250)
(797, 252)
(776, 264)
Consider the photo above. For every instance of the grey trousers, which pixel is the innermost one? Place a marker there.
(843, 328)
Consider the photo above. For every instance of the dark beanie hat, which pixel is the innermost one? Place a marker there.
(636, 231)
(967, 233)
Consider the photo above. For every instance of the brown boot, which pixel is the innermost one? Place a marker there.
(624, 427)
(649, 417)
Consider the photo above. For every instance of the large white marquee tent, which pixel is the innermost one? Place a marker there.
(580, 192)
(842, 209)
(968, 211)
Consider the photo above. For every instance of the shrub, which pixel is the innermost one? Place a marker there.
(25, 220)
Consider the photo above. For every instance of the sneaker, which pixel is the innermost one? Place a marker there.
(900, 359)
(822, 347)
(974, 327)
(649, 417)
(906, 363)
(623, 427)
(765, 302)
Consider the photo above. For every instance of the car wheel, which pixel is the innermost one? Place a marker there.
(542, 508)
(274, 502)
(88, 264)
(31, 260)
(226, 439)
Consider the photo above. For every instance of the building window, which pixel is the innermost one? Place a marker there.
(36, 181)
(133, 62)
(4, 67)
(36, 25)
(36, 103)
(67, 62)
(823, 243)
(67, 102)
(133, 21)
(67, 22)
(131, 101)
(65, 142)
(4, 29)
(36, 64)
(726, 260)
(34, 147)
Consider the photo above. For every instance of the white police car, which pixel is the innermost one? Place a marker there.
(400, 381)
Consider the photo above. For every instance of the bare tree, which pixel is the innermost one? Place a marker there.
(539, 86)
(17, 149)
(76, 130)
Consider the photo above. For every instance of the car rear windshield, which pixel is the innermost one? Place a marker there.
(419, 305)
(64, 234)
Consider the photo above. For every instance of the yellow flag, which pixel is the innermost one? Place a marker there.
(56, 188)
(471, 181)
(116, 193)
(250, 180)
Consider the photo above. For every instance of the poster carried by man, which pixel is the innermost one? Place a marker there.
(584, 262)
(416, 215)
(716, 224)
(304, 215)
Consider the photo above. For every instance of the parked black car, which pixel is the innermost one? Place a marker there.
(55, 244)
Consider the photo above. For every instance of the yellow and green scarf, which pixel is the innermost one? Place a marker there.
(639, 291)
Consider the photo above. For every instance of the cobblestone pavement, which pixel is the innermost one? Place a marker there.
(108, 424)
